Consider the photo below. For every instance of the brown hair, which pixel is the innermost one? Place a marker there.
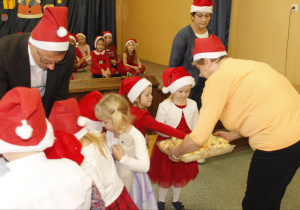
(201, 60)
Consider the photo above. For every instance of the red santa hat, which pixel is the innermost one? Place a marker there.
(133, 87)
(80, 34)
(66, 145)
(131, 40)
(65, 116)
(105, 33)
(210, 47)
(176, 78)
(87, 110)
(73, 37)
(202, 6)
(51, 33)
(96, 40)
(24, 127)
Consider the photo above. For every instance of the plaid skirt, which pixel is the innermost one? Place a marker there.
(124, 201)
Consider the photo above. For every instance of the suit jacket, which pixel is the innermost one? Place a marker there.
(15, 70)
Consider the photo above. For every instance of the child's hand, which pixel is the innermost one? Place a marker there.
(104, 74)
(140, 66)
(117, 151)
(108, 72)
(136, 69)
(147, 140)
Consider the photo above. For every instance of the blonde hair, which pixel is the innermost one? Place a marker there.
(114, 107)
(201, 60)
(97, 139)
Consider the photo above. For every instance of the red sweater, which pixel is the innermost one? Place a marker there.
(143, 121)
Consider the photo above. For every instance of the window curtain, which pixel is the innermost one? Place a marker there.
(90, 17)
(220, 21)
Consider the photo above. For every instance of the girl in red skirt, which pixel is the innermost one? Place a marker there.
(181, 113)
(110, 49)
(130, 64)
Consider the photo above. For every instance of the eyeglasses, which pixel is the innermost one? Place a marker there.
(201, 16)
(47, 62)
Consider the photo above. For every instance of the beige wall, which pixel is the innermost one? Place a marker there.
(259, 30)
(153, 24)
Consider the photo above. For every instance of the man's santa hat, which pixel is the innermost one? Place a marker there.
(133, 87)
(80, 34)
(65, 116)
(131, 40)
(24, 126)
(210, 47)
(202, 6)
(66, 145)
(105, 33)
(97, 39)
(87, 110)
(73, 37)
(51, 33)
(176, 78)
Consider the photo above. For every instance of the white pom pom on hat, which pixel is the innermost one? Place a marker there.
(165, 90)
(62, 32)
(24, 131)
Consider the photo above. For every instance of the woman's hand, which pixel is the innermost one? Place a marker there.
(169, 153)
(117, 151)
(229, 136)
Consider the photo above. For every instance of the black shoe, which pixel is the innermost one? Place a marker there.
(161, 205)
(177, 205)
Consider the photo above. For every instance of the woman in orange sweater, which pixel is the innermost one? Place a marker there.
(252, 100)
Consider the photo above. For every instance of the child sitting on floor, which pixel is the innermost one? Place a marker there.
(110, 49)
(33, 181)
(79, 63)
(101, 67)
(84, 48)
(130, 64)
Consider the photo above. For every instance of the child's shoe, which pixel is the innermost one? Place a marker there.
(161, 205)
(177, 205)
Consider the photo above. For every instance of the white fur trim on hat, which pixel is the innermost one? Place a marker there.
(81, 133)
(89, 124)
(72, 37)
(137, 89)
(208, 9)
(212, 55)
(46, 142)
(51, 46)
(136, 44)
(95, 43)
(107, 34)
(80, 34)
(179, 83)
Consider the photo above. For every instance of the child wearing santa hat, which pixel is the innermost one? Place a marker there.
(110, 49)
(113, 111)
(101, 67)
(130, 64)
(181, 113)
(98, 162)
(139, 92)
(80, 63)
(33, 181)
(84, 47)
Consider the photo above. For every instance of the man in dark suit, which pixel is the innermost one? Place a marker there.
(42, 59)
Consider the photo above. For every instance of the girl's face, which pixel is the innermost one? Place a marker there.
(81, 40)
(131, 46)
(180, 96)
(108, 39)
(72, 42)
(108, 125)
(100, 45)
(145, 99)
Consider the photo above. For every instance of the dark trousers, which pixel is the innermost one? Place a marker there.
(269, 175)
(197, 90)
